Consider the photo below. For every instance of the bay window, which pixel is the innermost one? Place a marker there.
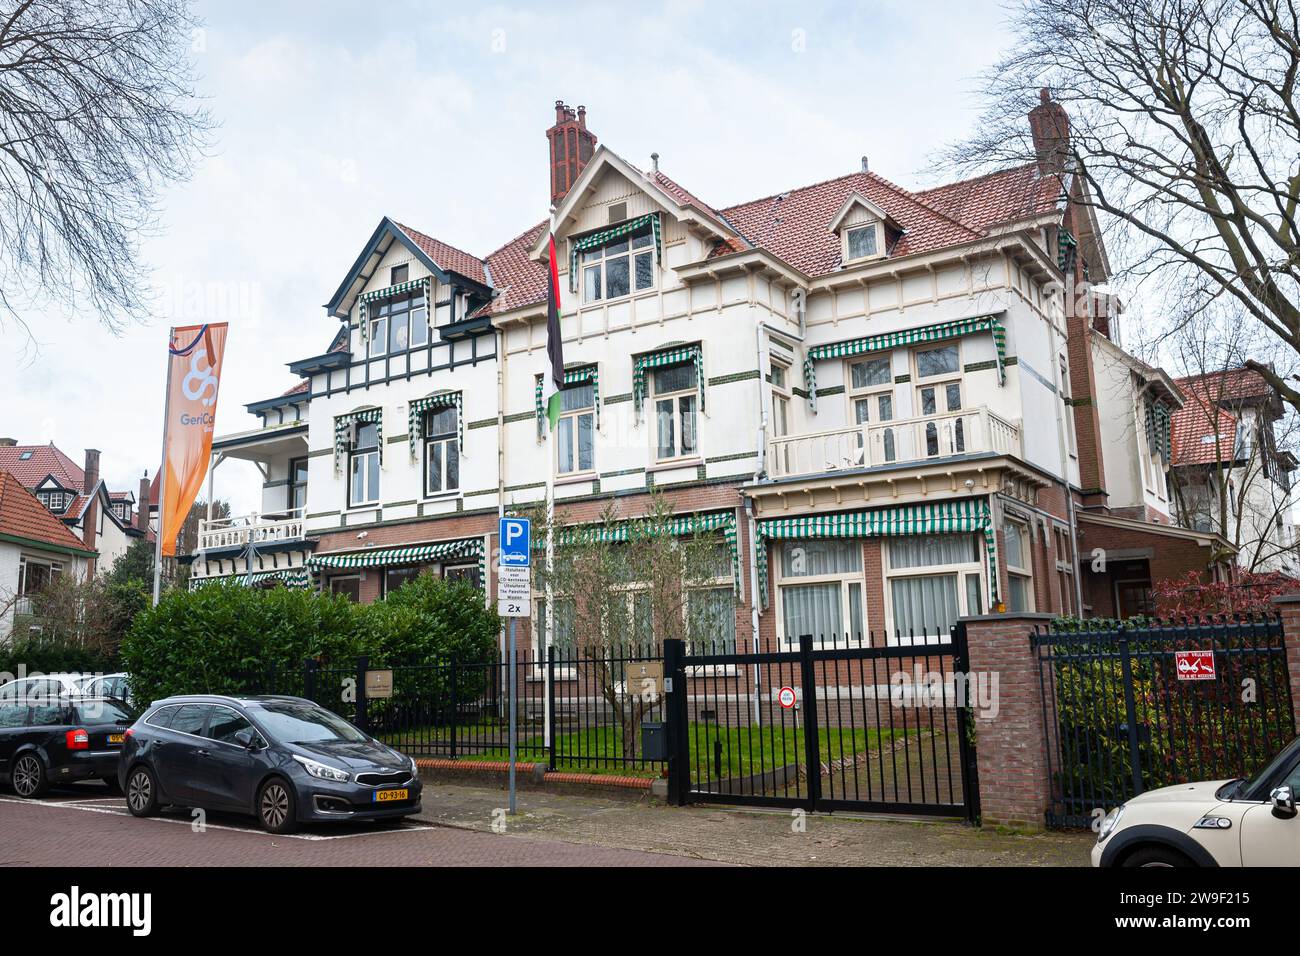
(363, 465)
(618, 268)
(931, 581)
(441, 451)
(576, 431)
(821, 590)
(675, 402)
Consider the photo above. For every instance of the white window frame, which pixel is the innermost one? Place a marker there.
(782, 395)
(335, 578)
(846, 249)
(598, 259)
(962, 571)
(442, 438)
(365, 453)
(1072, 440)
(843, 578)
(1064, 569)
(573, 416)
(1025, 573)
(675, 397)
(382, 313)
(940, 384)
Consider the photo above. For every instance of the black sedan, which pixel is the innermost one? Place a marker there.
(285, 760)
(46, 740)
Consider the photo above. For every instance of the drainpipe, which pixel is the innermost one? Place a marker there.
(754, 599)
(1063, 443)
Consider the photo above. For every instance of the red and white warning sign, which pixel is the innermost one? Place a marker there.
(1194, 665)
(785, 697)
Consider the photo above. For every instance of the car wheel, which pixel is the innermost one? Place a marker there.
(276, 807)
(1157, 856)
(141, 792)
(114, 787)
(29, 777)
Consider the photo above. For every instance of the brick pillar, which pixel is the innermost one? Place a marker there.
(1010, 745)
(1289, 606)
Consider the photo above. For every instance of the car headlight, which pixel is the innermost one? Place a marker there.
(1110, 822)
(322, 771)
(415, 770)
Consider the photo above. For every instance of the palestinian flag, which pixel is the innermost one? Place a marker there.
(553, 380)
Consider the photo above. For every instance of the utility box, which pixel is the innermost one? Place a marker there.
(654, 740)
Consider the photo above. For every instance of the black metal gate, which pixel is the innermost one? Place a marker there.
(827, 727)
(1120, 719)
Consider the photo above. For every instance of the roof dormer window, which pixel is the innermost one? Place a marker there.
(862, 241)
(861, 227)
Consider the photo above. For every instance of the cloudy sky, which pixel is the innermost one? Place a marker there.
(434, 114)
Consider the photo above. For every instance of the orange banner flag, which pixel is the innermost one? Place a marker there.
(193, 378)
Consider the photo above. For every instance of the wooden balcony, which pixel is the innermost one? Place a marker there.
(875, 445)
(260, 529)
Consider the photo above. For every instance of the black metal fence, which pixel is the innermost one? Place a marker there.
(1132, 709)
(835, 724)
(577, 709)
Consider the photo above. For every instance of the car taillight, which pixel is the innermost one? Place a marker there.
(129, 733)
(78, 740)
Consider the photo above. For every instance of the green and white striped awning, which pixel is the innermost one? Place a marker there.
(948, 517)
(592, 240)
(402, 288)
(572, 376)
(906, 337)
(1158, 422)
(344, 423)
(394, 557)
(442, 399)
(1066, 249)
(672, 355)
(297, 578)
(678, 526)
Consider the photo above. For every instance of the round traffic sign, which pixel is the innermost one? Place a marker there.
(785, 697)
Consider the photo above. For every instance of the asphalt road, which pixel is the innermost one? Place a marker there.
(84, 826)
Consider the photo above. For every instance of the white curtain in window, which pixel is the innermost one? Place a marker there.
(711, 620)
(812, 558)
(933, 550)
(812, 609)
(925, 605)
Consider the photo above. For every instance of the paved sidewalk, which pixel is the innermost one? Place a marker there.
(743, 836)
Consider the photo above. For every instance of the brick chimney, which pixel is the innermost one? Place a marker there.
(1050, 126)
(572, 146)
(142, 505)
(90, 517)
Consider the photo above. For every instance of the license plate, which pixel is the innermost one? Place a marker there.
(388, 796)
(115, 738)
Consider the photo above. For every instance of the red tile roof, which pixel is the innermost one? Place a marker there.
(1196, 439)
(22, 516)
(449, 258)
(795, 225)
(298, 389)
(518, 279)
(996, 198)
(43, 460)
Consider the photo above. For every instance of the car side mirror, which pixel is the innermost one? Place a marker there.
(245, 739)
(1283, 803)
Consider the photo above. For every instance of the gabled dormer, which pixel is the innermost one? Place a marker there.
(865, 230)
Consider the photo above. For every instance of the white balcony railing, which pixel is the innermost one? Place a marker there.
(260, 529)
(872, 445)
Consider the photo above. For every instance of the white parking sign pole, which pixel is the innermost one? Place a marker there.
(514, 599)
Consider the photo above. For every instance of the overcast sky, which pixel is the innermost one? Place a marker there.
(335, 114)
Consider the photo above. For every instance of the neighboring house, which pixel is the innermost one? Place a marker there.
(874, 397)
(1228, 473)
(105, 521)
(35, 548)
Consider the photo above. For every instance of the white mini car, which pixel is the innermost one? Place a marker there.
(1245, 822)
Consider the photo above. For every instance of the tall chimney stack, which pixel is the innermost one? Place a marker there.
(142, 506)
(1050, 126)
(571, 145)
(90, 516)
(91, 477)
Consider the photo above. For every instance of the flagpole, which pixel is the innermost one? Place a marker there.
(162, 477)
(549, 624)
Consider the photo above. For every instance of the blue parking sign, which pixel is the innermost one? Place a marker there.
(515, 535)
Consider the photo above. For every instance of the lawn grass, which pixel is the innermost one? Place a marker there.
(599, 750)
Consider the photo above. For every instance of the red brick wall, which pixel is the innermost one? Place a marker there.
(1289, 607)
(1011, 747)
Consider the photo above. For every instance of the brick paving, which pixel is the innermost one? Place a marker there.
(79, 827)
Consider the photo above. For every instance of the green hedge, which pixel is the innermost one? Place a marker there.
(226, 638)
(53, 656)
